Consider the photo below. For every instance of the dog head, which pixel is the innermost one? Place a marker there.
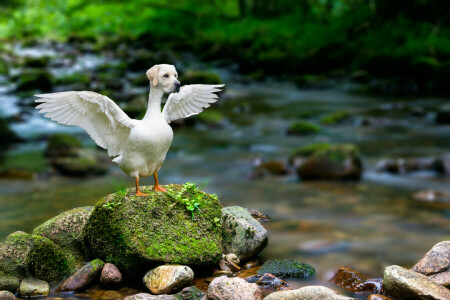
(164, 77)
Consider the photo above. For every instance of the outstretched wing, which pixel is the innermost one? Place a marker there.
(102, 119)
(191, 100)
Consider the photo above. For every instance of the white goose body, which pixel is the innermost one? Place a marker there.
(139, 147)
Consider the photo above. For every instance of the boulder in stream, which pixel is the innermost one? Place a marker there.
(436, 264)
(138, 233)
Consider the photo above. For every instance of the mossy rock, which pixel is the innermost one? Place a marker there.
(335, 117)
(309, 149)
(331, 163)
(24, 255)
(34, 80)
(303, 128)
(287, 268)
(87, 162)
(443, 114)
(8, 283)
(62, 144)
(66, 229)
(200, 77)
(211, 117)
(138, 233)
(76, 81)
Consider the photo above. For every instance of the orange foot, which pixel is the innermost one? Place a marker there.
(158, 188)
(140, 194)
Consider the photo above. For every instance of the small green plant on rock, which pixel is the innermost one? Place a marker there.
(191, 197)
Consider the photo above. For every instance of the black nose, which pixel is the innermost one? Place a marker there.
(177, 86)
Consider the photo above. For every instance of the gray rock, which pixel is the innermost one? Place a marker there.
(442, 278)
(378, 297)
(308, 293)
(66, 228)
(110, 276)
(144, 296)
(436, 264)
(34, 287)
(8, 283)
(168, 279)
(401, 283)
(5, 295)
(224, 288)
(83, 277)
(243, 235)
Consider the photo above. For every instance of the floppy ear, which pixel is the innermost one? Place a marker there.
(152, 75)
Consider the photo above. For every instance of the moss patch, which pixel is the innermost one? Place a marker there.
(8, 283)
(135, 233)
(23, 255)
(303, 128)
(335, 117)
(287, 268)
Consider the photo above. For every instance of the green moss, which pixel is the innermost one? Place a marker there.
(211, 117)
(34, 80)
(136, 233)
(32, 161)
(335, 117)
(23, 255)
(66, 228)
(310, 149)
(287, 268)
(303, 128)
(8, 282)
(62, 144)
(4, 69)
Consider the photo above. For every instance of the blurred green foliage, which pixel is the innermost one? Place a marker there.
(407, 39)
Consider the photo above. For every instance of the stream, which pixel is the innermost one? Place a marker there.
(366, 225)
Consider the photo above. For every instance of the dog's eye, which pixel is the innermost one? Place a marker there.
(166, 75)
(176, 75)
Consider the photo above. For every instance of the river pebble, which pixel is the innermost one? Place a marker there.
(225, 288)
(168, 279)
(30, 287)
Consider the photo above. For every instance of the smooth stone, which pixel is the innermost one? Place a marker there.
(144, 296)
(243, 235)
(9, 283)
(308, 293)
(6, 295)
(225, 288)
(30, 287)
(110, 276)
(83, 277)
(442, 278)
(168, 279)
(401, 283)
(230, 262)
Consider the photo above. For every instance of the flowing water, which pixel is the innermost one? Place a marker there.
(366, 225)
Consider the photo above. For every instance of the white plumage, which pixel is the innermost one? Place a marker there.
(139, 146)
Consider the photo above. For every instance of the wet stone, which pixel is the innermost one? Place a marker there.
(110, 276)
(436, 264)
(308, 293)
(191, 293)
(378, 297)
(144, 296)
(30, 287)
(259, 216)
(83, 277)
(269, 283)
(168, 279)
(354, 281)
